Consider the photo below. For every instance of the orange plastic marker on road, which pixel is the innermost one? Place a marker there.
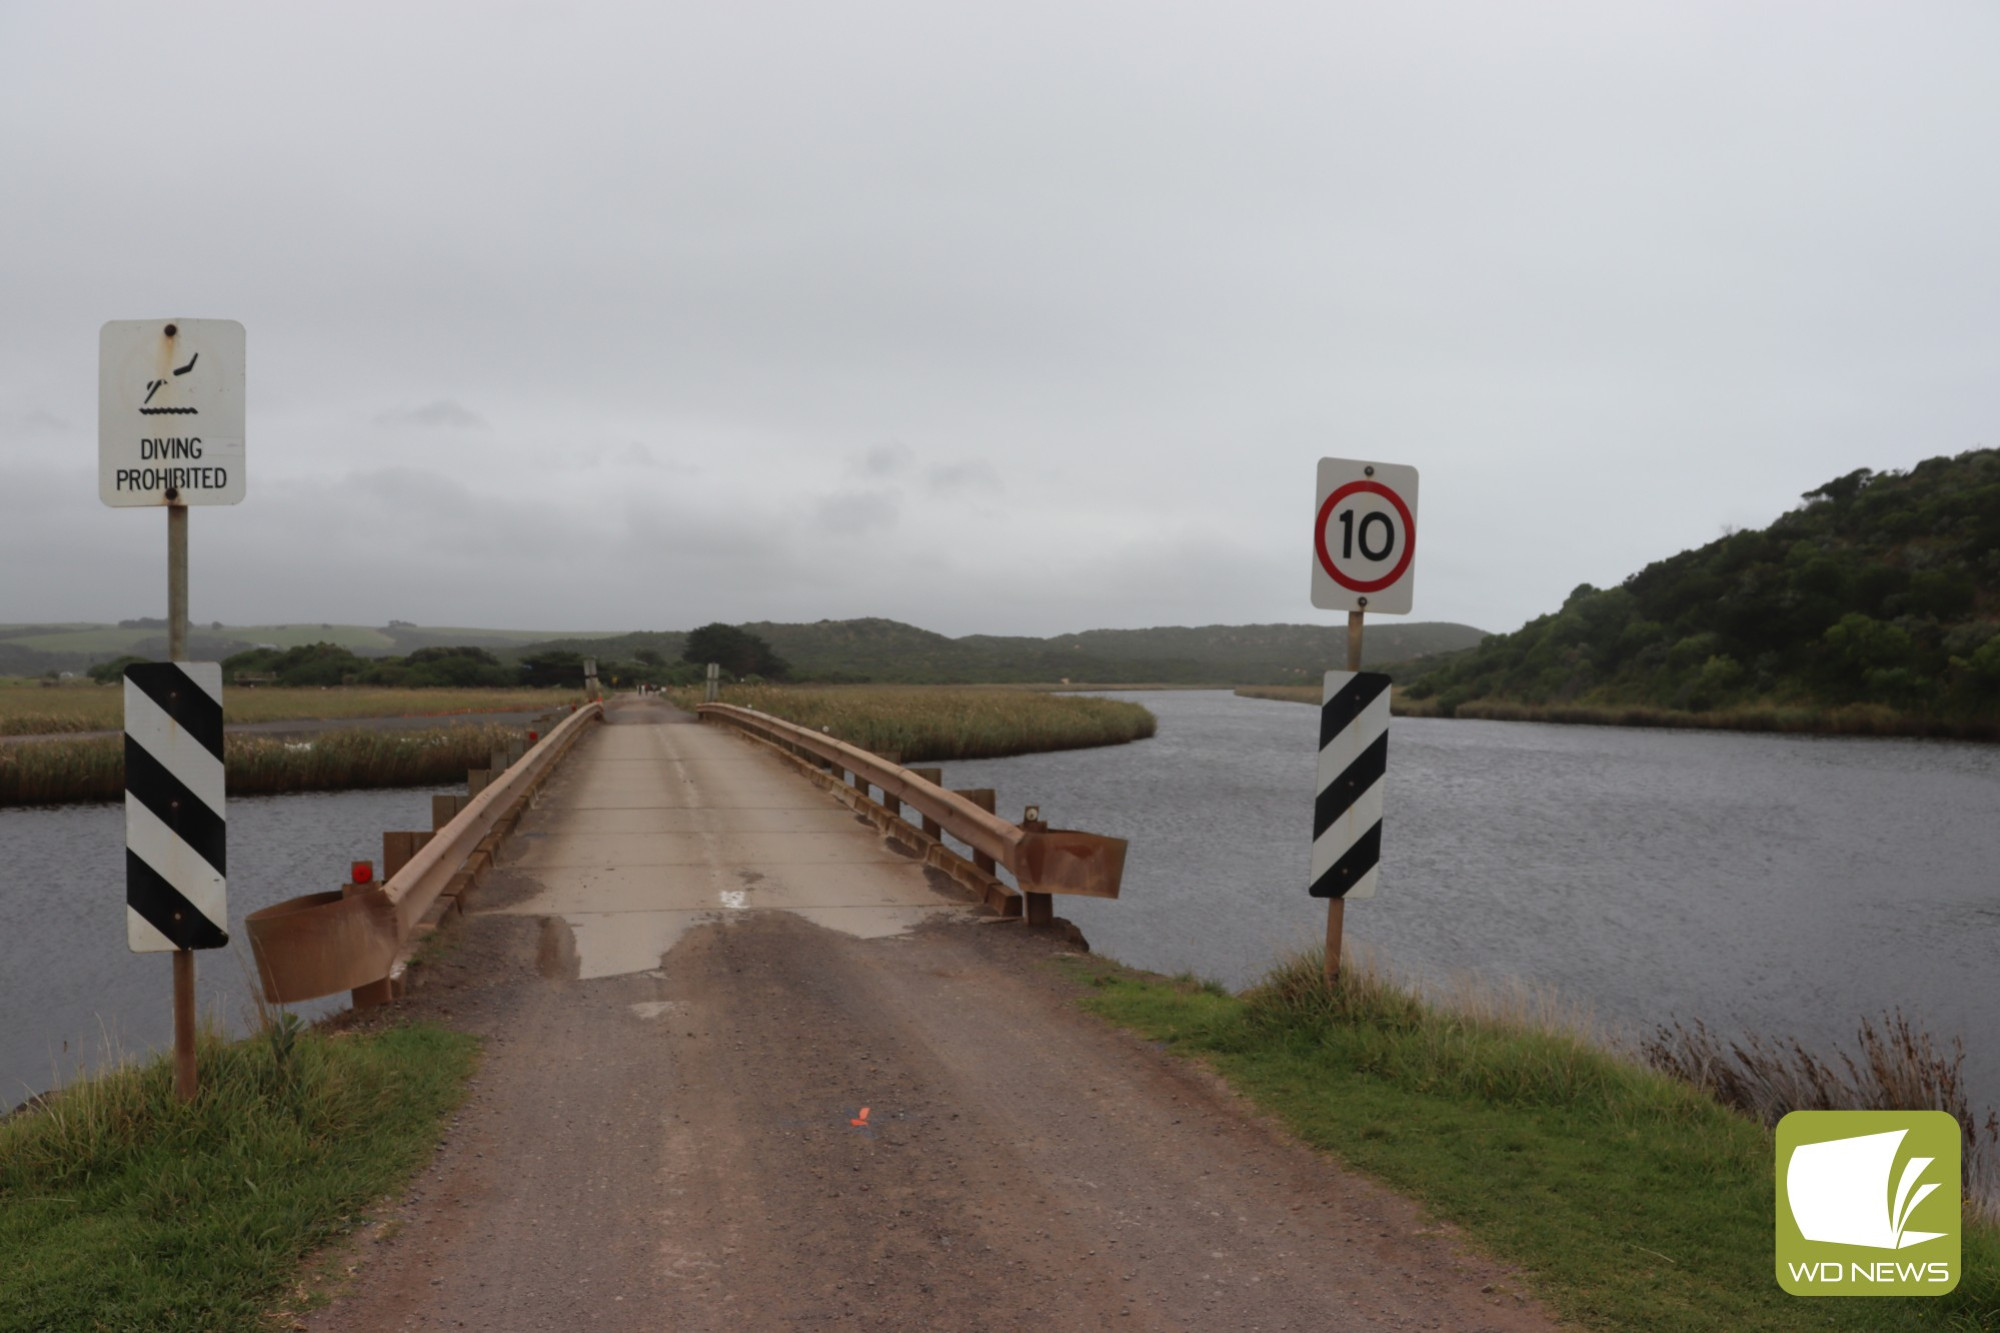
(862, 1120)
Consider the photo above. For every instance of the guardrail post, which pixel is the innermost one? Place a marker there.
(934, 776)
(1039, 909)
(983, 798)
(398, 848)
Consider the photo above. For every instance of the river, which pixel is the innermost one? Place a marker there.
(70, 992)
(1773, 884)
(1781, 885)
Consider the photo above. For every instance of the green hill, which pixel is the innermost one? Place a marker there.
(889, 651)
(1882, 589)
(34, 650)
(827, 650)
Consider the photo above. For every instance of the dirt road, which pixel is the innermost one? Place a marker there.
(779, 1124)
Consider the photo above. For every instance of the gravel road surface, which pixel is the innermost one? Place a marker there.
(794, 1115)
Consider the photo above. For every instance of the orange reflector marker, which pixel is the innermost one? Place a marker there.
(361, 872)
(863, 1120)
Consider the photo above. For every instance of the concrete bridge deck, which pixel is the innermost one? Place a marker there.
(694, 970)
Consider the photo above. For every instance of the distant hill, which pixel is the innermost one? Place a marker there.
(1882, 588)
(826, 650)
(33, 650)
(889, 651)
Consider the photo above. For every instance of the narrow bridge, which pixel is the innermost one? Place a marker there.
(761, 1057)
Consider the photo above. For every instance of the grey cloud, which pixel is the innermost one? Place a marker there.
(442, 412)
(885, 460)
(852, 512)
(1609, 276)
(964, 478)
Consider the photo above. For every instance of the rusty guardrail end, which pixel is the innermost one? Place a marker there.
(1061, 860)
(323, 943)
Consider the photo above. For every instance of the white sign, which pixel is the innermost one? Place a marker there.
(170, 412)
(1365, 537)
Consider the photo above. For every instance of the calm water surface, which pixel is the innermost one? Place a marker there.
(69, 989)
(1776, 884)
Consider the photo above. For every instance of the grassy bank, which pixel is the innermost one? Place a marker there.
(1850, 720)
(120, 1208)
(93, 768)
(29, 710)
(1631, 1199)
(923, 724)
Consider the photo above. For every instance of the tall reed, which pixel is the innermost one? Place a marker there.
(918, 723)
(93, 768)
(1900, 1068)
(30, 710)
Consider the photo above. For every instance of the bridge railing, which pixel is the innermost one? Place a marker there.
(1043, 860)
(352, 939)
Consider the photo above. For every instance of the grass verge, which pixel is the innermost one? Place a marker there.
(121, 1208)
(93, 768)
(33, 711)
(919, 723)
(1631, 1200)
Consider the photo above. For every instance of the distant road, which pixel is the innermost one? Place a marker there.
(747, 1067)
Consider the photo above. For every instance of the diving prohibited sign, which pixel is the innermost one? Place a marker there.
(170, 412)
(1364, 536)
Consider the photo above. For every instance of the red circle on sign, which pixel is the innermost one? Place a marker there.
(1409, 537)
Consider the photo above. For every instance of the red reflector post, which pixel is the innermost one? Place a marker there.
(362, 872)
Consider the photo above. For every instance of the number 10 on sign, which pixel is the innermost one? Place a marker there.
(1365, 537)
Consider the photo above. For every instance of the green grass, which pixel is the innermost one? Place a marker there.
(1631, 1200)
(120, 1208)
(924, 723)
(93, 768)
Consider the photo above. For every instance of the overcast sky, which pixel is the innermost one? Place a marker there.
(1013, 318)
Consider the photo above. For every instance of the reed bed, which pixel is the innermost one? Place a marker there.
(1313, 694)
(1799, 719)
(31, 710)
(921, 724)
(93, 768)
(1496, 1039)
(1900, 1068)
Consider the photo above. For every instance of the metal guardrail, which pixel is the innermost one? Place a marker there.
(350, 939)
(1043, 860)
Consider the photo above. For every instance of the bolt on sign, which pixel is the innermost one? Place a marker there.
(1365, 537)
(170, 412)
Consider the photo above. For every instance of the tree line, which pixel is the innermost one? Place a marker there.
(742, 656)
(1882, 588)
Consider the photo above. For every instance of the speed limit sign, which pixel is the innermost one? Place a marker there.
(1364, 536)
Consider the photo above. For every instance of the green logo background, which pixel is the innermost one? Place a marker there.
(1803, 1265)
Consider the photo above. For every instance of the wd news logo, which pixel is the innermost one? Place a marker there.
(1868, 1203)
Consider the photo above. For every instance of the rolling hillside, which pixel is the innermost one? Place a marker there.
(1881, 590)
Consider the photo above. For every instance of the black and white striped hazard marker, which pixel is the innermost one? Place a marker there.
(1353, 756)
(175, 836)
